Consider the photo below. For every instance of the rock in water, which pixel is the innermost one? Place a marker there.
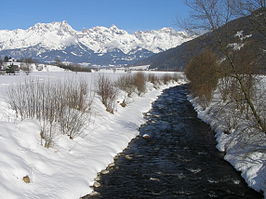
(146, 136)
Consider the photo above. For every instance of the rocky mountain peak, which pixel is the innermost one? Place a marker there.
(62, 27)
(60, 36)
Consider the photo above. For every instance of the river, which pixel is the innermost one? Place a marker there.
(177, 160)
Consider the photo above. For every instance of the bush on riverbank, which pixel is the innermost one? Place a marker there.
(56, 105)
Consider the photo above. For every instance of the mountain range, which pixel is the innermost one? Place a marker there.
(95, 46)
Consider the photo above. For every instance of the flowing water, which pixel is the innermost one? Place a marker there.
(178, 160)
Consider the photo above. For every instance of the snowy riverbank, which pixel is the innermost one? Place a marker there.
(66, 170)
(244, 149)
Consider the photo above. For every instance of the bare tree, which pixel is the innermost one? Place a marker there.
(126, 83)
(210, 15)
(246, 7)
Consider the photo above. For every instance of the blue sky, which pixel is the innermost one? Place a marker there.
(131, 15)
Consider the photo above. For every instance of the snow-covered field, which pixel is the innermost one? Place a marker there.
(244, 148)
(68, 168)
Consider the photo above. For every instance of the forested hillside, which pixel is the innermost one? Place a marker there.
(239, 30)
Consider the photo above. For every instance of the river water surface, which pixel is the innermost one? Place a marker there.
(178, 160)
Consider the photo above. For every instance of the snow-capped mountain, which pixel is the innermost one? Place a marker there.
(98, 45)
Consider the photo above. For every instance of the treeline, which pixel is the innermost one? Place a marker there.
(25, 60)
(8, 65)
(28, 61)
(72, 67)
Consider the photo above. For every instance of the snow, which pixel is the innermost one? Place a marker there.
(47, 68)
(244, 149)
(143, 67)
(66, 170)
(54, 35)
(59, 35)
(241, 37)
(236, 46)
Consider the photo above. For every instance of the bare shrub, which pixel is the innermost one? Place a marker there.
(76, 96)
(166, 78)
(126, 83)
(75, 112)
(176, 77)
(154, 79)
(238, 85)
(106, 89)
(224, 88)
(62, 106)
(140, 82)
(25, 68)
(72, 122)
(202, 71)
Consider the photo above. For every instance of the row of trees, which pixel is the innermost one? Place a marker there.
(26, 60)
(233, 69)
(71, 66)
(26, 65)
(129, 84)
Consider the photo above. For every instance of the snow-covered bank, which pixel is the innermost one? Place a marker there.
(245, 148)
(66, 170)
